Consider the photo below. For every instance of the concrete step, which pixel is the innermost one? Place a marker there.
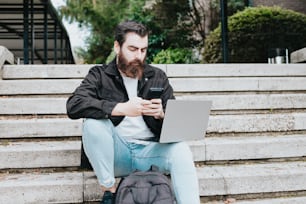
(268, 122)
(282, 200)
(40, 154)
(44, 154)
(292, 200)
(172, 70)
(228, 84)
(253, 178)
(189, 85)
(56, 71)
(57, 105)
(46, 105)
(40, 127)
(63, 127)
(47, 86)
(233, 70)
(41, 188)
(257, 101)
(249, 148)
(214, 180)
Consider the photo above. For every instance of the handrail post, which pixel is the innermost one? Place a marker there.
(224, 30)
(26, 32)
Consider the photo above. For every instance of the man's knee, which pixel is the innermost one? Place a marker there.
(95, 129)
(181, 152)
(182, 148)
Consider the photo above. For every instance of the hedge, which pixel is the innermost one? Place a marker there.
(254, 31)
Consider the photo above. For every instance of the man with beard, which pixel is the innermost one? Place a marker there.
(122, 126)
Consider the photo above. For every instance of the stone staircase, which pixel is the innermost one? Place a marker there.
(254, 150)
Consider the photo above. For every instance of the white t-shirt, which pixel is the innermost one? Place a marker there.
(133, 128)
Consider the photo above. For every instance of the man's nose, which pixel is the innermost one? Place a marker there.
(138, 54)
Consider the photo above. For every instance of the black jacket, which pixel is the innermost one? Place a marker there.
(103, 88)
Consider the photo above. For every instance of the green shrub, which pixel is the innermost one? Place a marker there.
(174, 56)
(254, 31)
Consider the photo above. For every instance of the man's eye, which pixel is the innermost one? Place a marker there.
(133, 49)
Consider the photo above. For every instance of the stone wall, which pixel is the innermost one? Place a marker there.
(296, 5)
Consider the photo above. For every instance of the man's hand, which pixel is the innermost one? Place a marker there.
(133, 107)
(154, 108)
(138, 106)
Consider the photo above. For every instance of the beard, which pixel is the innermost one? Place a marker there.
(131, 69)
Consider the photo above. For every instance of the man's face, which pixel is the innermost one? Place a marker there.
(132, 54)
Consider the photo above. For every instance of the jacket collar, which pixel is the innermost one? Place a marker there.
(112, 69)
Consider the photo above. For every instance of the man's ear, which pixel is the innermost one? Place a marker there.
(116, 47)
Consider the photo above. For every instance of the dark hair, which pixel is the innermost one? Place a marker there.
(129, 26)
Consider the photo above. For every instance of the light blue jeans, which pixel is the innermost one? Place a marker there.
(111, 156)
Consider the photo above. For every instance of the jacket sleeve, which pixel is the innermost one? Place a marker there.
(85, 103)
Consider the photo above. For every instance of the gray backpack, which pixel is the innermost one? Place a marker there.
(145, 187)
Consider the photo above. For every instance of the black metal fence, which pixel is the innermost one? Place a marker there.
(32, 30)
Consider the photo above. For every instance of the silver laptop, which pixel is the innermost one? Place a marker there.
(185, 120)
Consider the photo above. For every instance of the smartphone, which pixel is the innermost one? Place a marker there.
(155, 92)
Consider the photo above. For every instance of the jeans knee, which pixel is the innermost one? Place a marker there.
(181, 153)
(95, 129)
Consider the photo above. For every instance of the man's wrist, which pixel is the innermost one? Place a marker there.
(118, 109)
